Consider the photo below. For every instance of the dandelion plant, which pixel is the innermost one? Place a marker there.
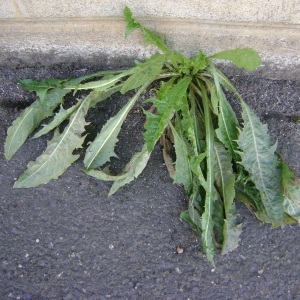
(217, 159)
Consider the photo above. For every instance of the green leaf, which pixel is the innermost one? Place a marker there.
(101, 96)
(198, 63)
(196, 204)
(132, 170)
(58, 156)
(182, 173)
(101, 175)
(246, 58)
(291, 192)
(225, 182)
(144, 72)
(136, 165)
(196, 169)
(132, 24)
(30, 118)
(41, 87)
(22, 127)
(149, 36)
(61, 116)
(185, 216)
(170, 101)
(259, 160)
(207, 221)
(227, 132)
(100, 85)
(102, 148)
(74, 82)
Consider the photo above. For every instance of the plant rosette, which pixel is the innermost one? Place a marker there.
(217, 158)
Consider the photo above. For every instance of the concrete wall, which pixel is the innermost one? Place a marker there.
(40, 32)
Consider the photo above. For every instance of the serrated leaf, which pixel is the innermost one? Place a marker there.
(102, 148)
(182, 173)
(246, 58)
(227, 131)
(149, 36)
(196, 205)
(170, 101)
(105, 94)
(133, 169)
(61, 116)
(259, 160)
(41, 87)
(196, 169)
(207, 220)
(31, 117)
(145, 72)
(185, 216)
(291, 192)
(132, 24)
(198, 63)
(58, 156)
(225, 182)
(22, 127)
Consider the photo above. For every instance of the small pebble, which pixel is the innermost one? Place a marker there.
(179, 250)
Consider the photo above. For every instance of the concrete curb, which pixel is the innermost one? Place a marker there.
(100, 41)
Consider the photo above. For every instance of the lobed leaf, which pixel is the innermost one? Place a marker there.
(132, 170)
(182, 173)
(132, 24)
(61, 116)
(291, 192)
(207, 216)
(171, 100)
(185, 216)
(227, 131)
(144, 72)
(59, 153)
(149, 36)
(41, 87)
(259, 160)
(225, 182)
(102, 148)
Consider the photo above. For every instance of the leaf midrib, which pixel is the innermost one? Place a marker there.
(61, 140)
